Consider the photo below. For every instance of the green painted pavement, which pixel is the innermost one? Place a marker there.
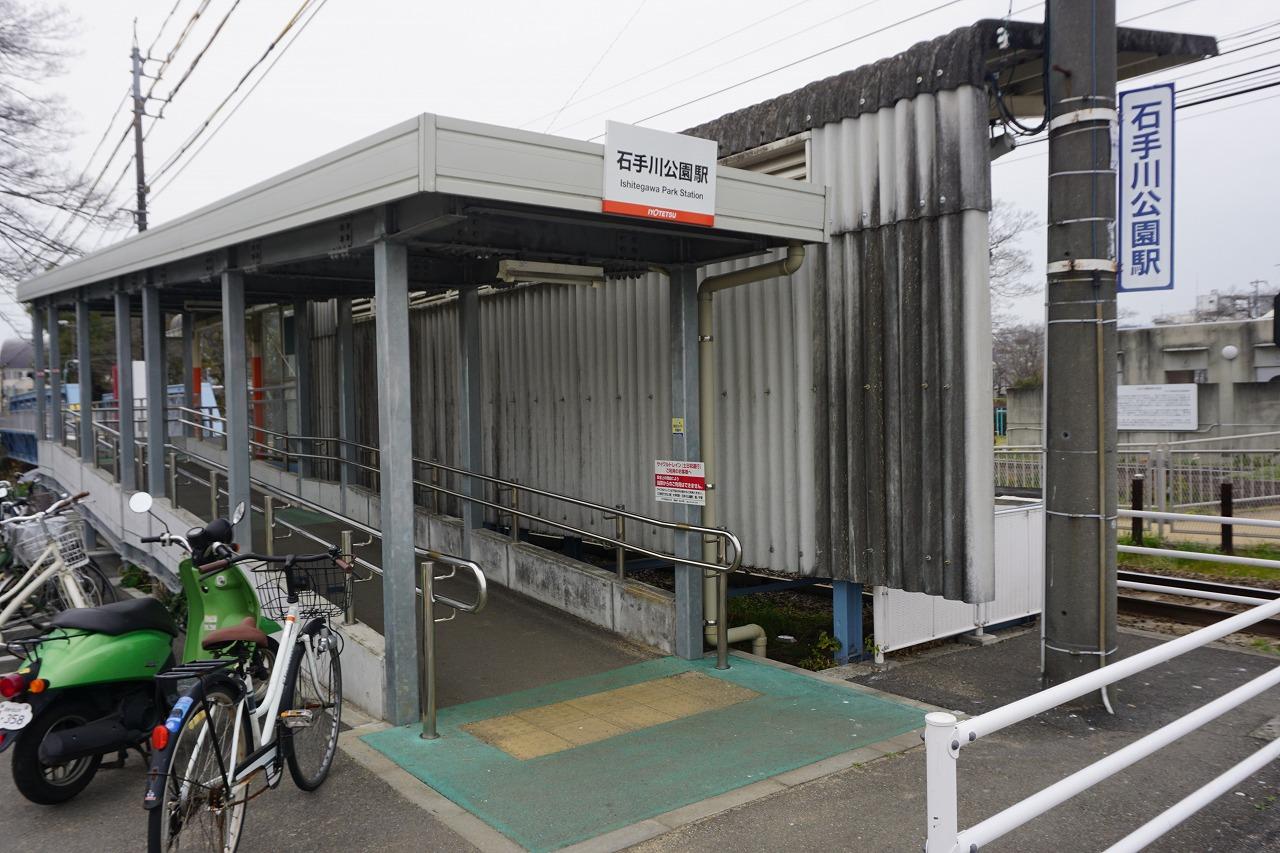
(555, 800)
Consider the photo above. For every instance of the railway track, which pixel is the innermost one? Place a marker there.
(1192, 610)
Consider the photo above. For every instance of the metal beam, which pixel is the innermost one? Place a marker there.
(236, 382)
(304, 386)
(84, 376)
(685, 445)
(128, 469)
(37, 346)
(346, 397)
(153, 352)
(189, 389)
(395, 434)
(57, 420)
(470, 408)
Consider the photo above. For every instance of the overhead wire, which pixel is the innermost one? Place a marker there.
(213, 133)
(784, 66)
(669, 62)
(625, 26)
(195, 60)
(200, 129)
(163, 25)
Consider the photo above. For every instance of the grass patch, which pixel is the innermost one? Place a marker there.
(1160, 564)
(779, 613)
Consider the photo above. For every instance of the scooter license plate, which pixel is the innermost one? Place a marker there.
(14, 715)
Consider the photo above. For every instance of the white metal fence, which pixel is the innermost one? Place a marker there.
(945, 736)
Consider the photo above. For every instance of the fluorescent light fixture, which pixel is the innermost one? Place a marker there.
(540, 272)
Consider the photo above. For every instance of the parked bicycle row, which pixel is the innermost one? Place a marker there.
(217, 708)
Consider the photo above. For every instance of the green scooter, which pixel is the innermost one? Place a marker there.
(86, 688)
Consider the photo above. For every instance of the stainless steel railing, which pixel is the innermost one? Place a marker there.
(430, 596)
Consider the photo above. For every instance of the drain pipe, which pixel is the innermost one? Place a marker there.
(715, 589)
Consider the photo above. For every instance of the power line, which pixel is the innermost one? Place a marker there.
(163, 24)
(213, 133)
(603, 54)
(173, 158)
(787, 65)
(199, 56)
(668, 63)
(1233, 94)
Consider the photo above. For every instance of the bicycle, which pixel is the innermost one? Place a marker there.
(57, 574)
(219, 735)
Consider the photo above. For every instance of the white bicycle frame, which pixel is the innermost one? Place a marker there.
(262, 720)
(38, 573)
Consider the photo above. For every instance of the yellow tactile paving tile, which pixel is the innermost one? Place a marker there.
(553, 728)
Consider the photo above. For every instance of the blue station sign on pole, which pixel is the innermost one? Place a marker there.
(1145, 175)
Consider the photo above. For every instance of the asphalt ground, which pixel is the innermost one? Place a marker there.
(880, 806)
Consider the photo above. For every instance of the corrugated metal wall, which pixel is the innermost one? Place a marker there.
(853, 405)
(902, 348)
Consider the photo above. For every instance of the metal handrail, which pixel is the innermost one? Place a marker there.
(296, 500)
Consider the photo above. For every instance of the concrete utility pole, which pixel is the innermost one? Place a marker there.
(1080, 359)
(138, 104)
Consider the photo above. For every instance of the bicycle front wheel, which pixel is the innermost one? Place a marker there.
(313, 705)
(199, 810)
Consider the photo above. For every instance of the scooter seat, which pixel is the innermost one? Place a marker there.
(121, 617)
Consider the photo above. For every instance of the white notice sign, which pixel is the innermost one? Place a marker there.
(658, 175)
(1157, 407)
(677, 482)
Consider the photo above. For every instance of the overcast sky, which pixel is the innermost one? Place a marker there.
(364, 64)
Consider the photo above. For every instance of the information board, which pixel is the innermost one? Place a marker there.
(1157, 408)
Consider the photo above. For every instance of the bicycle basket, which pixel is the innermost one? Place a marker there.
(324, 589)
(30, 540)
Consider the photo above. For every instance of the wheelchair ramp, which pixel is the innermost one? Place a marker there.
(558, 764)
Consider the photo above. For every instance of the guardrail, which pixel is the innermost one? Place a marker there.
(945, 736)
(427, 577)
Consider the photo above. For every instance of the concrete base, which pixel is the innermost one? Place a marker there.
(975, 639)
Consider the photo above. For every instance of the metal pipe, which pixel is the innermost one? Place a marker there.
(1191, 593)
(940, 782)
(1196, 555)
(345, 546)
(1016, 815)
(1194, 802)
(1015, 712)
(1236, 520)
(427, 657)
(269, 522)
(717, 630)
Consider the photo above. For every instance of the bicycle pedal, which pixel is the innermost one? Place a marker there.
(296, 719)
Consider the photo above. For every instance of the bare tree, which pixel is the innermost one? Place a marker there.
(1017, 355)
(34, 186)
(1010, 263)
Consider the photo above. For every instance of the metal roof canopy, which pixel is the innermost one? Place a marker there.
(966, 56)
(461, 194)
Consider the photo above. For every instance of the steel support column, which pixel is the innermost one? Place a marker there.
(304, 386)
(153, 352)
(37, 353)
(57, 420)
(395, 442)
(846, 611)
(685, 446)
(236, 379)
(84, 377)
(127, 465)
(346, 397)
(189, 389)
(470, 408)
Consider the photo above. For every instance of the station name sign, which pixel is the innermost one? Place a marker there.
(1145, 176)
(653, 174)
